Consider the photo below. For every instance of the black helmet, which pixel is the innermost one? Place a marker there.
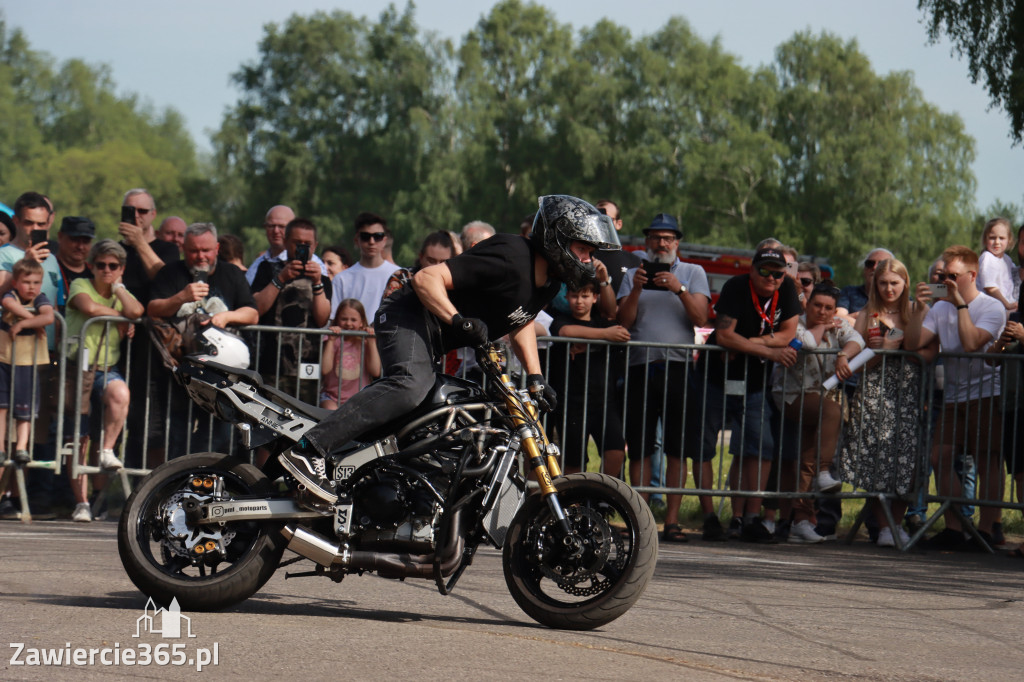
(562, 220)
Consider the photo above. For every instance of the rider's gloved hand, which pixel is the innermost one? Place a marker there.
(472, 330)
(542, 394)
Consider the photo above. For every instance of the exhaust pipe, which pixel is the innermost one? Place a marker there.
(314, 546)
(319, 549)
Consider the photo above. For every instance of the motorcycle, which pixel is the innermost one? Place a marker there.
(416, 500)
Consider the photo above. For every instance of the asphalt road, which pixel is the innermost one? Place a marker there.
(713, 612)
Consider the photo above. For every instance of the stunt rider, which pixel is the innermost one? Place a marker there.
(495, 288)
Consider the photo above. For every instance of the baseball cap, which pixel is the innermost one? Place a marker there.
(769, 256)
(76, 226)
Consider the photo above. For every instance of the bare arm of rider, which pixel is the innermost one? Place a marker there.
(432, 285)
(524, 345)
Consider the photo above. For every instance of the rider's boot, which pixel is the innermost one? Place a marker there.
(309, 467)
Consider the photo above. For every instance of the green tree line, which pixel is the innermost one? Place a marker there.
(340, 114)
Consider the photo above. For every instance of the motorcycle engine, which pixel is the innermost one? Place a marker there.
(395, 511)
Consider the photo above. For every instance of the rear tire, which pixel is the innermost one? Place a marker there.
(157, 560)
(597, 579)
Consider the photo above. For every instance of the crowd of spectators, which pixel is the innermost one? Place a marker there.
(777, 332)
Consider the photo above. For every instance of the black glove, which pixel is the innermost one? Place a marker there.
(542, 394)
(471, 331)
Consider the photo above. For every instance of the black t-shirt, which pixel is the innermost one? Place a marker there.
(617, 262)
(494, 281)
(68, 276)
(573, 384)
(226, 283)
(291, 315)
(737, 302)
(135, 279)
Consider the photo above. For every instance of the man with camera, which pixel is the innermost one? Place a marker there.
(199, 284)
(292, 294)
(661, 302)
(146, 254)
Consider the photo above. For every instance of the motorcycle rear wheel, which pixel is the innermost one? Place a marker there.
(600, 574)
(156, 558)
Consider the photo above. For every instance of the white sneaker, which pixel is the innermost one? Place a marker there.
(108, 460)
(802, 532)
(82, 513)
(826, 483)
(904, 537)
(885, 538)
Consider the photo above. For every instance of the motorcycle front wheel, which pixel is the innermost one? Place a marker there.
(206, 567)
(599, 572)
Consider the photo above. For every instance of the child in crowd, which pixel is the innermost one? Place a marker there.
(359, 363)
(579, 373)
(22, 348)
(997, 275)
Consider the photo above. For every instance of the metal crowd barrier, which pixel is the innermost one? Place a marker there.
(619, 379)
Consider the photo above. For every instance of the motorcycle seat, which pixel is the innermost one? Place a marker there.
(279, 396)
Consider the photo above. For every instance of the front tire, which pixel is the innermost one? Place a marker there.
(157, 549)
(600, 573)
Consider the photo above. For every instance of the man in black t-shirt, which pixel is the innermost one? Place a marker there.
(757, 315)
(495, 288)
(185, 287)
(146, 254)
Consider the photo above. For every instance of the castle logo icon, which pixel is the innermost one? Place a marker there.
(169, 620)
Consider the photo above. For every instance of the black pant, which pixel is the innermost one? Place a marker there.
(408, 348)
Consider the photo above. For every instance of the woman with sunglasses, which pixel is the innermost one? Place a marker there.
(104, 294)
(807, 275)
(881, 441)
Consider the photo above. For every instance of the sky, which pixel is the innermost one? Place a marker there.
(182, 53)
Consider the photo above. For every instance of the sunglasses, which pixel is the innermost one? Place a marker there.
(943, 276)
(106, 266)
(143, 211)
(774, 274)
(806, 281)
(372, 236)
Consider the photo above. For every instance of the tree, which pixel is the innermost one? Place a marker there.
(336, 117)
(66, 133)
(507, 104)
(991, 34)
(869, 162)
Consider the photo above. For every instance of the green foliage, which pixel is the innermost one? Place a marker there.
(991, 34)
(67, 134)
(341, 114)
(869, 162)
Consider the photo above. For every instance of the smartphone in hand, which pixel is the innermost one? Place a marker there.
(652, 269)
(939, 290)
(37, 237)
(128, 215)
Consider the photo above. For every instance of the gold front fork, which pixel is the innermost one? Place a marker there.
(534, 442)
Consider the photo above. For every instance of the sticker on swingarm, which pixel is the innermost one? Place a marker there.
(343, 516)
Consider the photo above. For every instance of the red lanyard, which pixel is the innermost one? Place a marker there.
(770, 317)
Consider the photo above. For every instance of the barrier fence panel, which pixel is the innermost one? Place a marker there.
(676, 420)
